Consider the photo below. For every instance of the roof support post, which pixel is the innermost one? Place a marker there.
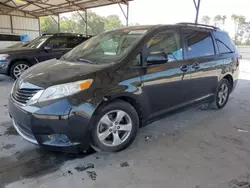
(56, 21)
(197, 7)
(11, 24)
(86, 21)
(59, 28)
(39, 26)
(125, 14)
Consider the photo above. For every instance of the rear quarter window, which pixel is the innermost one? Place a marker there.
(224, 43)
(199, 44)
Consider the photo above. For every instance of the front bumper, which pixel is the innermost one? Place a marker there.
(58, 126)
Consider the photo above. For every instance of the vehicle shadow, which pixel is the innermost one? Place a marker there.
(33, 163)
(5, 78)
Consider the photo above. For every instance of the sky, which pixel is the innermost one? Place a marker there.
(174, 11)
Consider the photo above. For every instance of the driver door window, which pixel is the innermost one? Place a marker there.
(58, 43)
(168, 42)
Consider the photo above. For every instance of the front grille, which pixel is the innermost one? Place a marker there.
(24, 95)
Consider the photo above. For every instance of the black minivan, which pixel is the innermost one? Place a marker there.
(102, 91)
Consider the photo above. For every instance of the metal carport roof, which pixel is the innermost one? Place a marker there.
(38, 8)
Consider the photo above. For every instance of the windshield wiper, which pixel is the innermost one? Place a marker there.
(85, 60)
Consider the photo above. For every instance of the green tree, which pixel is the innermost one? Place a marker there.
(113, 22)
(224, 19)
(95, 23)
(48, 25)
(240, 26)
(217, 20)
(75, 23)
(205, 20)
(68, 25)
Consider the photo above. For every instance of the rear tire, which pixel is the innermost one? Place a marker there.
(115, 127)
(222, 94)
(18, 68)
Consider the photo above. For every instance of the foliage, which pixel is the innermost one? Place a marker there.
(75, 23)
(48, 25)
(68, 25)
(206, 20)
(240, 25)
(220, 20)
(113, 22)
(217, 20)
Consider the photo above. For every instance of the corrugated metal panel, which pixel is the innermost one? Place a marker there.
(58, 6)
(32, 34)
(17, 13)
(4, 21)
(25, 23)
(5, 30)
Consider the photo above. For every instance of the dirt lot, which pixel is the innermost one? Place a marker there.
(192, 149)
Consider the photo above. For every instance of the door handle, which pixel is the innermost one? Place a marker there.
(196, 66)
(184, 68)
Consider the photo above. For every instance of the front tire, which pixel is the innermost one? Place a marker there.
(18, 68)
(115, 127)
(221, 95)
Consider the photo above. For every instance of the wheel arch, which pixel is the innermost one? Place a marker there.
(132, 99)
(229, 78)
(29, 61)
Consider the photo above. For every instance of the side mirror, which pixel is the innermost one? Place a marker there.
(47, 49)
(157, 58)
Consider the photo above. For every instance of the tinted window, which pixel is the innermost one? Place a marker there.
(74, 41)
(199, 44)
(224, 43)
(106, 47)
(58, 42)
(6, 37)
(136, 61)
(38, 42)
(168, 42)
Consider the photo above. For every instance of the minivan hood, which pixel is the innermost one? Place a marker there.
(17, 50)
(55, 72)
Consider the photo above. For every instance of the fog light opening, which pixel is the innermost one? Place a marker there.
(60, 138)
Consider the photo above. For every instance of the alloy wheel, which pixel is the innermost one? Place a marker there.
(114, 128)
(19, 69)
(223, 94)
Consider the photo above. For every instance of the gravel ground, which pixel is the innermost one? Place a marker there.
(192, 149)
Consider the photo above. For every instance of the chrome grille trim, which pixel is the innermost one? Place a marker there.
(24, 95)
(24, 134)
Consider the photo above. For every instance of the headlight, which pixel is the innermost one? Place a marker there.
(63, 90)
(3, 57)
(59, 91)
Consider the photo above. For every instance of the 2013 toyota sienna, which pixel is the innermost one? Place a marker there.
(102, 91)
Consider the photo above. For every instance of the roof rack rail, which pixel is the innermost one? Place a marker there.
(200, 25)
(66, 34)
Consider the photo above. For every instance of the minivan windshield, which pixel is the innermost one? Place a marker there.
(106, 47)
(38, 42)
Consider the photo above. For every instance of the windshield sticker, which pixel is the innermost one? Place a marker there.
(137, 32)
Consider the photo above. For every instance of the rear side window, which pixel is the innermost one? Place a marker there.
(224, 43)
(74, 41)
(6, 37)
(58, 42)
(199, 44)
